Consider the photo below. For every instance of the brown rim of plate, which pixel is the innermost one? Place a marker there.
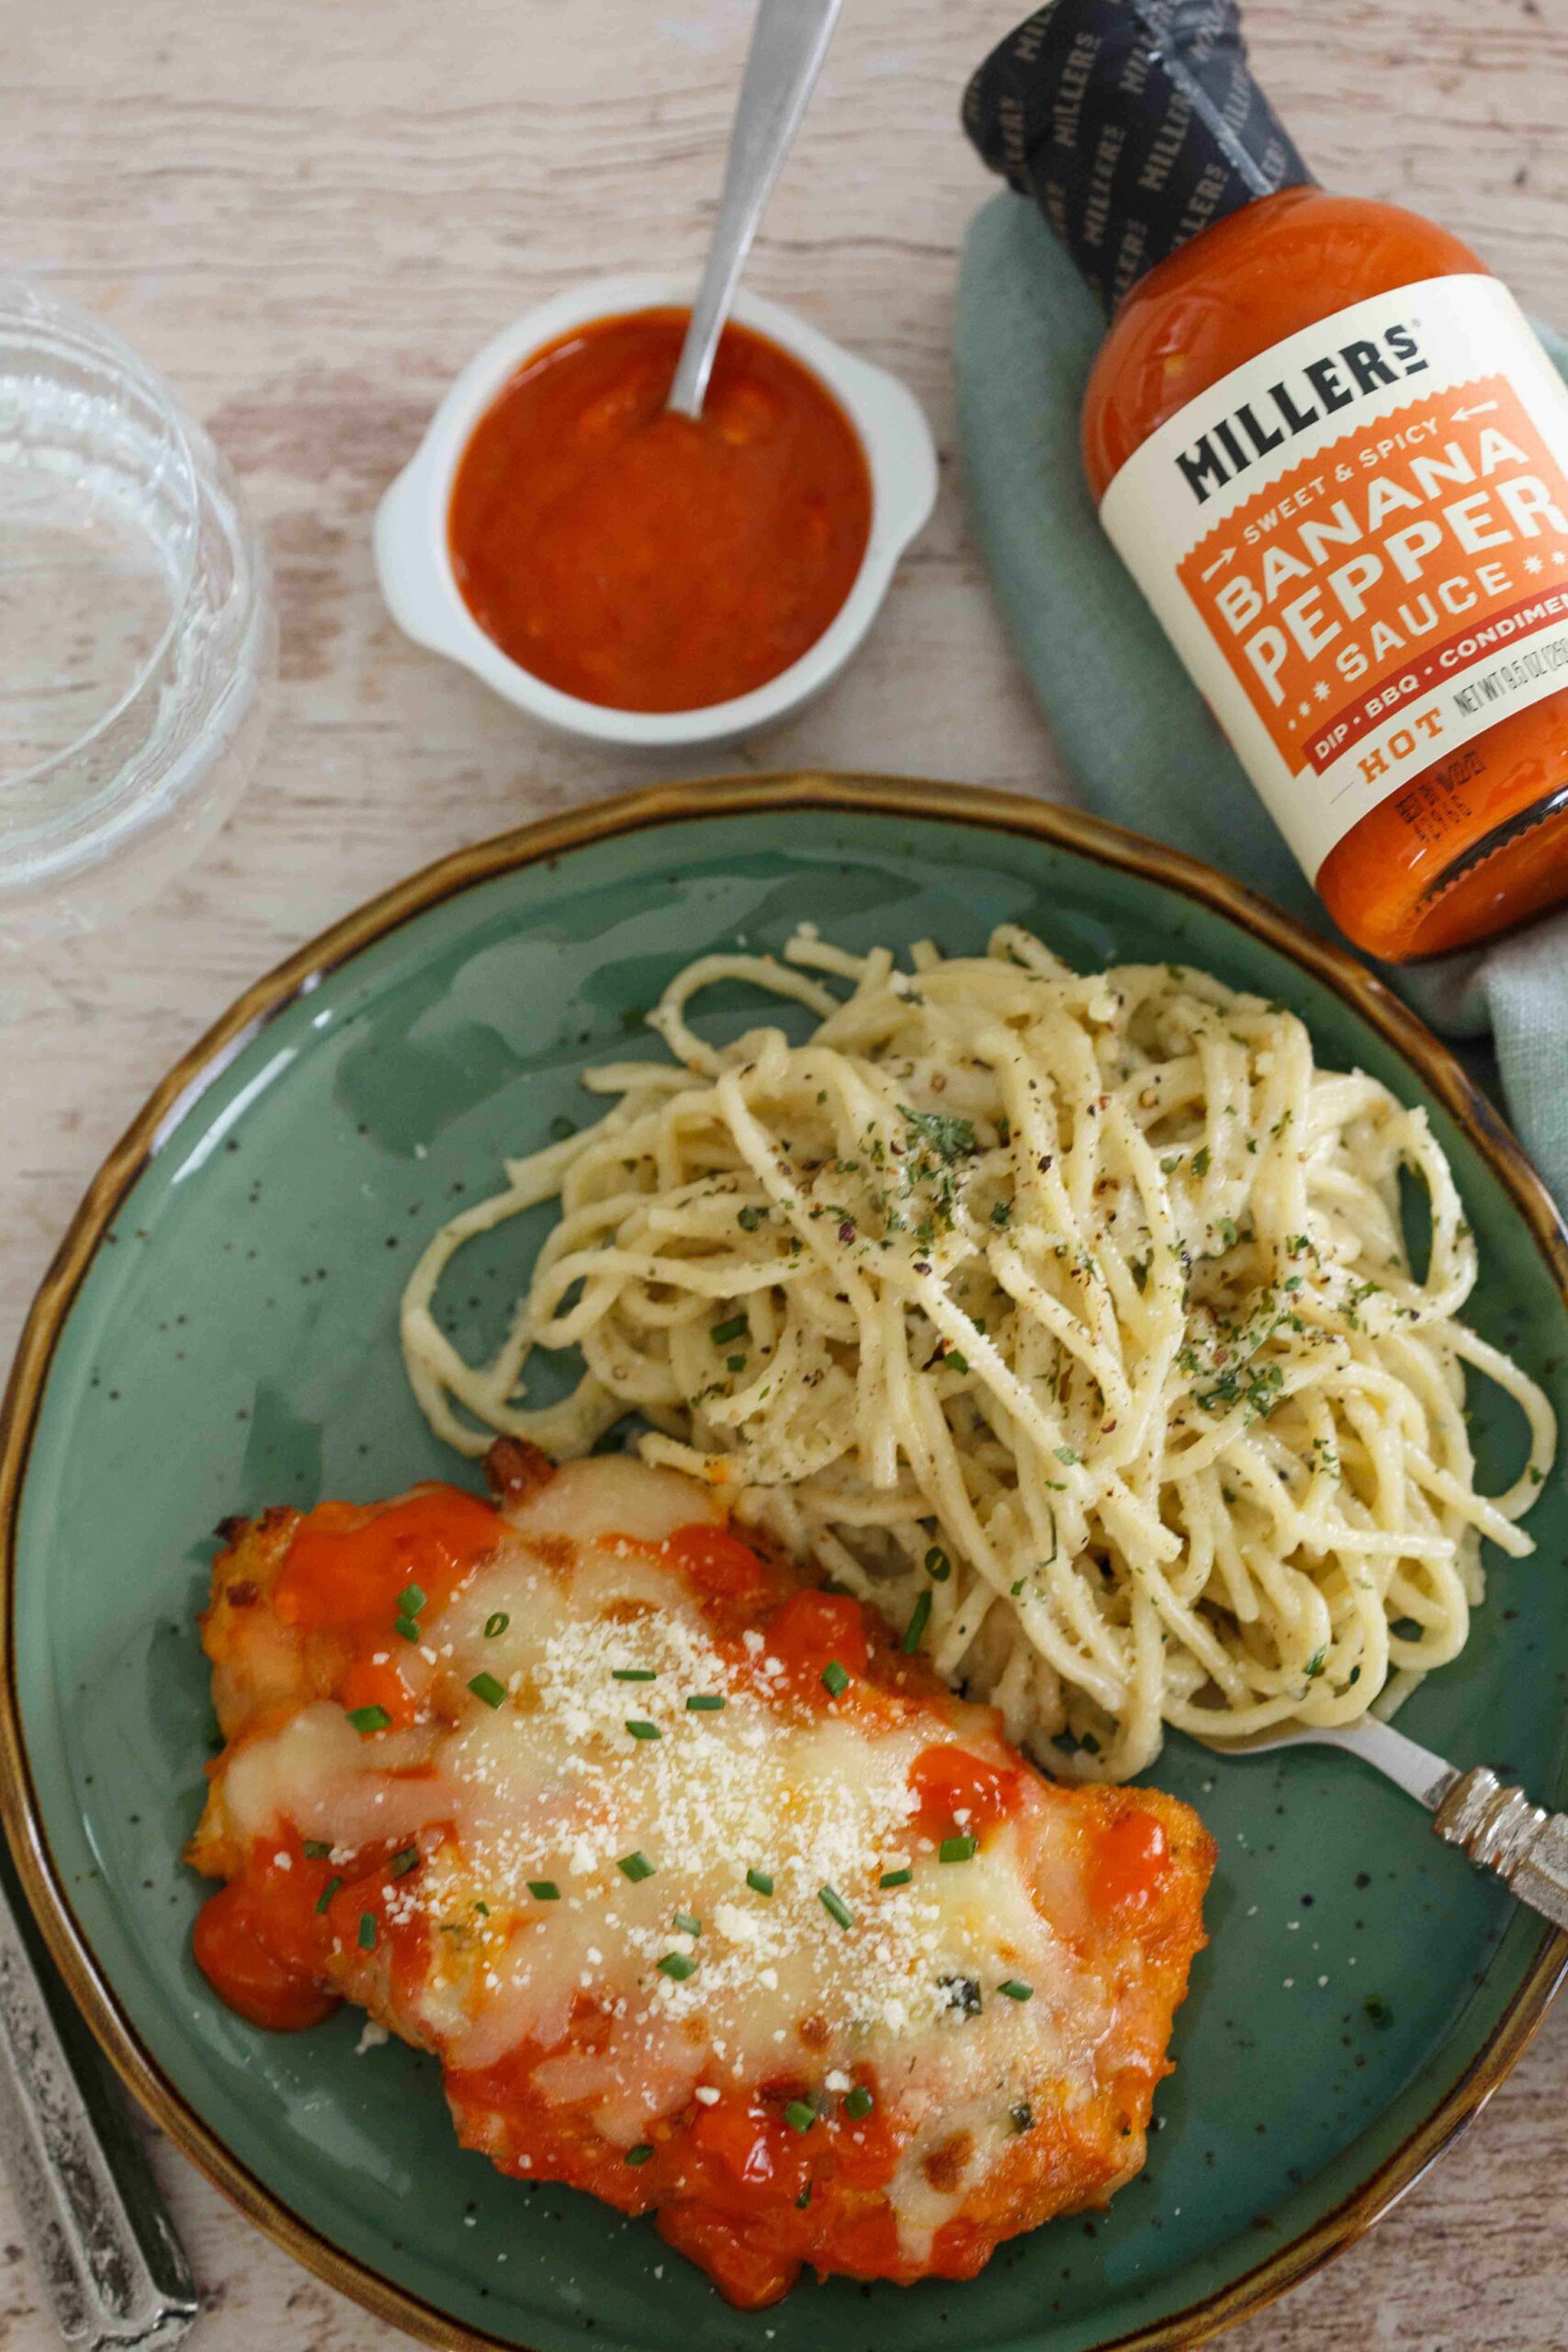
(550, 837)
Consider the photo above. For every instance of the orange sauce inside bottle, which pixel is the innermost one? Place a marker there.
(1477, 841)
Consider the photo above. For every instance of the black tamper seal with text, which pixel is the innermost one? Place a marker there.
(1132, 123)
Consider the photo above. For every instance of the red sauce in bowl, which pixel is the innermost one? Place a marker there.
(648, 562)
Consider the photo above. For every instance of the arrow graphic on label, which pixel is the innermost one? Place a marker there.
(1463, 415)
(1218, 563)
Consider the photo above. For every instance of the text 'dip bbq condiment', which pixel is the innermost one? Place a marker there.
(1333, 454)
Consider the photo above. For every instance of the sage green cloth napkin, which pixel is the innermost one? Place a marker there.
(1137, 734)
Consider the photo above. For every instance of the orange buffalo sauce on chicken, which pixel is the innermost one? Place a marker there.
(1129, 1865)
(260, 1954)
(708, 1898)
(349, 1566)
(960, 1794)
(650, 562)
(1334, 454)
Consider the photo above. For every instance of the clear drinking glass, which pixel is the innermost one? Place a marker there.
(137, 633)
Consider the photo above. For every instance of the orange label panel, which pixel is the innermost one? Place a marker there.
(1386, 565)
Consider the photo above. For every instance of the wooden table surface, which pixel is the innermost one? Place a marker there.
(308, 214)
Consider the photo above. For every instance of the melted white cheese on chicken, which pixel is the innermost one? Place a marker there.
(567, 1852)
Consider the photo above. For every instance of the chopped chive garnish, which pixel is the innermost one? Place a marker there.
(406, 1627)
(919, 1617)
(833, 1903)
(896, 1878)
(544, 1889)
(722, 1333)
(957, 1849)
(365, 1719)
(495, 1624)
(937, 1565)
(835, 1677)
(316, 1848)
(759, 1881)
(1016, 1990)
(676, 1964)
(486, 1687)
(750, 1219)
(482, 1908)
(367, 1931)
(687, 1923)
(735, 1364)
(804, 2199)
(953, 1361)
(635, 1866)
(401, 1865)
(326, 1895)
(640, 2153)
(859, 2102)
(800, 2115)
(410, 1600)
(705, 1703)
(640, 1730)
(634, 1674)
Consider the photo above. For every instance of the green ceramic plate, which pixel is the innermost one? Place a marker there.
(219, 1333)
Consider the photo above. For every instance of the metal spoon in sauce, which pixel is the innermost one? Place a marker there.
(788, 42)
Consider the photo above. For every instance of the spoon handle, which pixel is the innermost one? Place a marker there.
(788, 41)
(1500, 1828)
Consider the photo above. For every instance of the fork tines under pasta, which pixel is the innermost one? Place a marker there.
(1068, 1318)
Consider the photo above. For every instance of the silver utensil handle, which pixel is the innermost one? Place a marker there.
(104, 2247)
(788, 42)
(1501, 1829)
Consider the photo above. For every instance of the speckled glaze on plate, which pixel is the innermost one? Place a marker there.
(218, 1331)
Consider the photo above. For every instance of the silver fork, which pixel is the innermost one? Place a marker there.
(1499, 1827)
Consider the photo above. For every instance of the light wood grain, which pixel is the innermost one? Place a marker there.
(308, 214)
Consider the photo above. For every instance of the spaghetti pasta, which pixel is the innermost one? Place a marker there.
(1068, 1318)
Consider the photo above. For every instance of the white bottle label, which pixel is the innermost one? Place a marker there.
(1357, 543)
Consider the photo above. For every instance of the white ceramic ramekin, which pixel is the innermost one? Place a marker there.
(415, 568)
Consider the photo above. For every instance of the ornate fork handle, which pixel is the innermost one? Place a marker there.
(1501, 1829)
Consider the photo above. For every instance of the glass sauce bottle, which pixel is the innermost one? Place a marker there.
(1335, 457)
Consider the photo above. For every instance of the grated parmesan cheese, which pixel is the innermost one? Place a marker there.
(552, 1788)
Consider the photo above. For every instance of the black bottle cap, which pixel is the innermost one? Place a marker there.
(1132, 123)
